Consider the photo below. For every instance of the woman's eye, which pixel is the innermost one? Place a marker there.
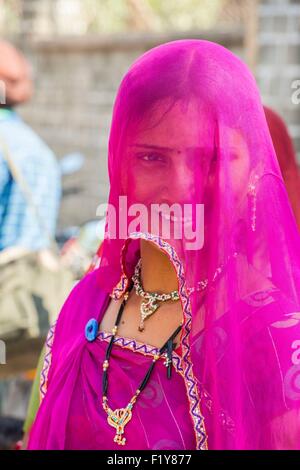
(153, 157)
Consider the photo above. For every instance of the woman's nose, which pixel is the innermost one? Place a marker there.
(182, 183)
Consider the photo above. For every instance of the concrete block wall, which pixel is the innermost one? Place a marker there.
(279, 59)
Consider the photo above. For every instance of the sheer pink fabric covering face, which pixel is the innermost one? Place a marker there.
(188, 128)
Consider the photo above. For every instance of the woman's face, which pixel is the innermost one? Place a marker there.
(164, 153)
(171, 159)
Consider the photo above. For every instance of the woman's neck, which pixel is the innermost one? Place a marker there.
(157, 272)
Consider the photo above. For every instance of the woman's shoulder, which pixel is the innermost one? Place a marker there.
(89, 283)
(83, 303)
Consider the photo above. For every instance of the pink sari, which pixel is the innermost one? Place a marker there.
(82, 423)
(188, 127)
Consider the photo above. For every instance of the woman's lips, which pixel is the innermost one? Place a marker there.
(174, 218)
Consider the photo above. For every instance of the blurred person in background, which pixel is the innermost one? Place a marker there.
(10, 433)
(286, 155)
(34, 160)
(30, 193)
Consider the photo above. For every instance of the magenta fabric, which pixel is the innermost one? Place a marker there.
(287, 158)
(188, 128)
(76, 419)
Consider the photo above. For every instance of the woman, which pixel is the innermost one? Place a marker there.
(187, 334)
(287, 159)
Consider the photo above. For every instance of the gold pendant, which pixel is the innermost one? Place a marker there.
(118, 419)
(148, 307)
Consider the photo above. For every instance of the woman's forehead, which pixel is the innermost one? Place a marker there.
(173, 125)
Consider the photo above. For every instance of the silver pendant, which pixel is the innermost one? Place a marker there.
(148, 307)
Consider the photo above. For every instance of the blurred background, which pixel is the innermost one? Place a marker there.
(79, 51)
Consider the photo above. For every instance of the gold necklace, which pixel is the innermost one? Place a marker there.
(120, 417)
(149, 304)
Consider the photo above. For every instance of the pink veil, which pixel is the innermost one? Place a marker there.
(188, 129)
(287, 158)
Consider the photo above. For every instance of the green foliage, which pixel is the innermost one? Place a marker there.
(105, 16)
(114, 15)
(9, 16)
(186, 14)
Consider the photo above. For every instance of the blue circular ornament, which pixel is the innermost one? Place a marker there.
(91, 329)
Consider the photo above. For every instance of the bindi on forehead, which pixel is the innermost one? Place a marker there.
(161, 148)
(186, 150)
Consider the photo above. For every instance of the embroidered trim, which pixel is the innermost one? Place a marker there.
(189, 378)
(133, 345)
(206, 399)
(128, 343)
(120, 288)
(47, 362)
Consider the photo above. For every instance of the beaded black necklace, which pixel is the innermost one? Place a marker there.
(119, 417)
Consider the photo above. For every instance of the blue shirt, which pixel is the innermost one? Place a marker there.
(39, 168)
